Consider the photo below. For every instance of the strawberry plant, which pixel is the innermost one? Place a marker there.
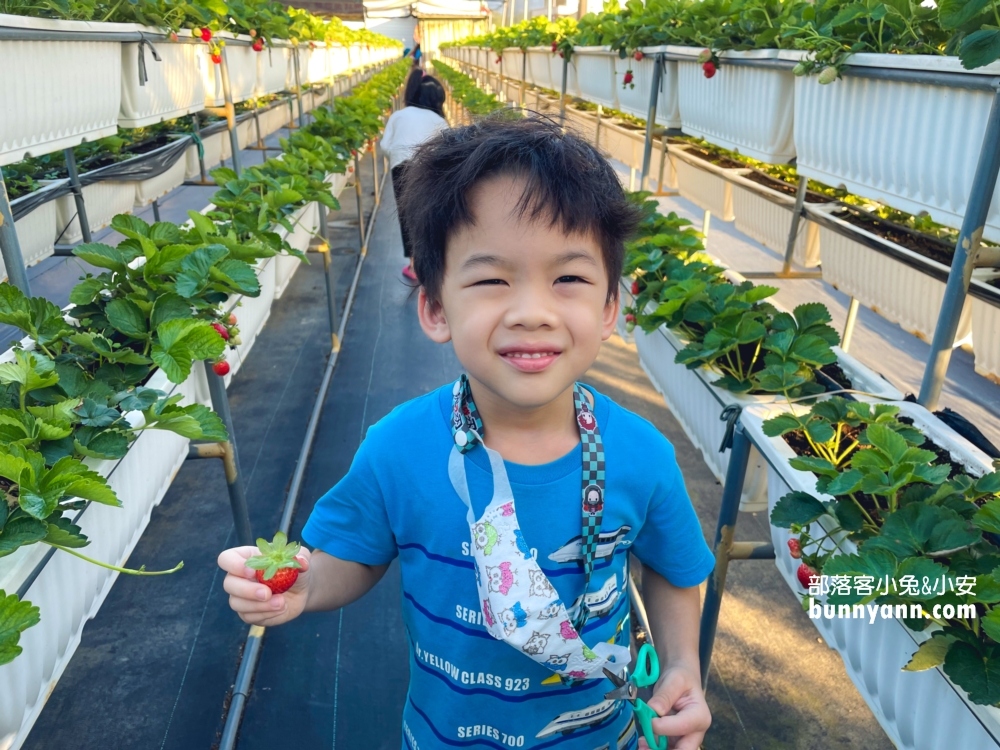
(465, 91)
(915, 516)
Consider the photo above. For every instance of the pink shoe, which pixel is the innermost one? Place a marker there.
(408, 273)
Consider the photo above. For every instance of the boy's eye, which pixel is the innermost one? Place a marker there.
(570, 279)
(490, 282)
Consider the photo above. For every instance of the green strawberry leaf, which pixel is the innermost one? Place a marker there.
(930, 654)
(796, 508)
(15, 617)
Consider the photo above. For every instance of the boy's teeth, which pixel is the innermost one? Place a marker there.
(526, 355)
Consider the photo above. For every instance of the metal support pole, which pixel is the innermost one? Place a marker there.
(260, 135)
(361, 211)
(156, 210)
(331, 301)
(654, 95)
(196, 128)
(964, 260)
(852, 316)
(793, 231)
(234, 141)
(562, 94)
(81, 207)
(706, 223)
(724, 532)
(298, 86)
(524, 67)
(375, 172)
(234, 480)
(10, 246)
(597, 130)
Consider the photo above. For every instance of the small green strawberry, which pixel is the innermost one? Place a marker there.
(276, 565)
(828, 75)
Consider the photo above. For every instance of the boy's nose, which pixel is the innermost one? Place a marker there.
(530, 308)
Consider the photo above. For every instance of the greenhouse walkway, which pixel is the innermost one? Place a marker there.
(156, 666)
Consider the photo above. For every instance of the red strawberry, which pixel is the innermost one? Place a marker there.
(216, 58)
(635, 287)
(221, 330)
(221, 368)
(805, 575)
(498, 59)
(630, 318)
(709, 69)
(795, 548)
(562, 55)
(232, 319)
(276, 565)
(206, 35)
(173, 36)
(555, 45)
(628, 78)
(638, 55)
(258, 45)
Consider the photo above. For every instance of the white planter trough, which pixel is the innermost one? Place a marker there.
(315, 65)
(69, 591)
(242, 62)
(339, 62)
(745, 109)
(908, 705)
(540, 67)
(306, 223)
(986, 334)
(702, 183)
(56, 94)
(898, 292)
(252, 314)
(628, 146)
(635, 100)
(175, 85)
(895, 142)
(147, 191)
(274, 70)
(595, 75)
(513, 64)
(36, 234)
(698, 405)
(212, 146)
(104, 201)
(770, 222)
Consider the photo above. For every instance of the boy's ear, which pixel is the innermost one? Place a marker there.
(610, 317)
(432, 318)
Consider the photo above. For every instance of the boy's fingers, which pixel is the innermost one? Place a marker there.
(249, 606)
(244, 589)
(233, 561)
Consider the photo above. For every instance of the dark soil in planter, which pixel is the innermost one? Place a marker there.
(929, 247)
(835, 373)
(719, 161)
(129, 152)
(783, 187)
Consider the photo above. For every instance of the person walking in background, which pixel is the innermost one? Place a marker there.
(420, 119)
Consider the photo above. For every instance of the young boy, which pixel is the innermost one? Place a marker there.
(513, 497)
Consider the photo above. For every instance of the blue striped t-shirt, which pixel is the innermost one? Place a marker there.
(468, 690)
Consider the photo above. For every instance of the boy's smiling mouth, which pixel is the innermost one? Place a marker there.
(529, 358)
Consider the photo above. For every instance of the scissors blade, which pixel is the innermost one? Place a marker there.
(615, 679)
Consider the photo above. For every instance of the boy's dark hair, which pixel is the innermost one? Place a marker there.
(565, 179)
(432, 96)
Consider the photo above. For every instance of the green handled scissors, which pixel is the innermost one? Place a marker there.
(646, 673)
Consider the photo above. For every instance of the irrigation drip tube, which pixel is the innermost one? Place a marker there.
(254, 642)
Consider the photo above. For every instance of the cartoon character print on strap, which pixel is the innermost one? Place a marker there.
(536, 644)
(513, 618)
(550, 610)
(486, 537)
(501, 577)
(521, 544)
(540, 585)
(567, 632)
(558, 662)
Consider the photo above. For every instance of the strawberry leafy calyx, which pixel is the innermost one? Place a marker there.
(275, 555)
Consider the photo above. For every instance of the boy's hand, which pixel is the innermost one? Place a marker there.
(253, 601)
(684, 714)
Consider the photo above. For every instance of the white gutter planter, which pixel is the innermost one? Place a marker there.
(36, 233)
(627, 145)
(306, 223)
(274, 70)
(635, 101)
(56, 94)
(242, 62)
(513, 63)
(252, 314)
(147, 191)
(212, 146)
(986, 334)
(770, 223)
(698, 405)
(745, 109)
(702, 183)
(104, 201)
(595, 75)
(69, 591)
(908, 705)
(175, 85)
(896, 142)
(540, 67)
(898, 292)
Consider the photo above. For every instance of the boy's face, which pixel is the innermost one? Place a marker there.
(524, 304)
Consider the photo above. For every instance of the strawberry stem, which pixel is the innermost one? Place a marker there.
(129, 571)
